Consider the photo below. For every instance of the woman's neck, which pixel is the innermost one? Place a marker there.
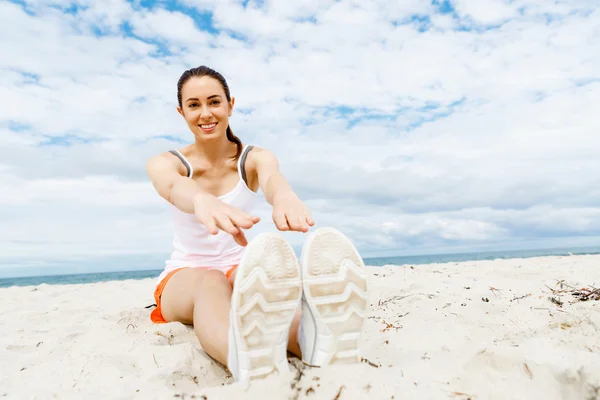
(214, 151)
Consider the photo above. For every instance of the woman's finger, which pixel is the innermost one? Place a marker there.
(296, 222)
(242, 220)
(240, 238)
(303, 223)
(226, 225)
(292, 221)
(280, 221)
(309, 220)
(210, 225)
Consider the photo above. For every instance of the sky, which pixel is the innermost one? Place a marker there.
(414, 127)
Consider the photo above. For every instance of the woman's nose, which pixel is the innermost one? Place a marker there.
(205, 112)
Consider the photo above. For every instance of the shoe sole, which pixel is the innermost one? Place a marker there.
(266, 295)
(335, 290)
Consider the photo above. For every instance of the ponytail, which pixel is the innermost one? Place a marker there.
(232, 138)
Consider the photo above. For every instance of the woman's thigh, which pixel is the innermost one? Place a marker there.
(182, 289)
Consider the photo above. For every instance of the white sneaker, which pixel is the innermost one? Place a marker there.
(266, 295)
(334, 299)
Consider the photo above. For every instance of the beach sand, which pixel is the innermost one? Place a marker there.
(470, 330)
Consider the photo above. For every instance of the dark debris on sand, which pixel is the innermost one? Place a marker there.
(581, 294)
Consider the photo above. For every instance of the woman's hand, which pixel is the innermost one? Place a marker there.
(215, 215)
(290, 213)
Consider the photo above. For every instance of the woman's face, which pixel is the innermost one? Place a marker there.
(205, 108)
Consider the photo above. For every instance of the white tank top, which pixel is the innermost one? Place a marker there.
(193, 245)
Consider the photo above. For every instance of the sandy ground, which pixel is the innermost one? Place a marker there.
(472, 330)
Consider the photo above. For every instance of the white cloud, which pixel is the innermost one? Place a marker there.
(405, 139)
(486, 12)
(173, 26)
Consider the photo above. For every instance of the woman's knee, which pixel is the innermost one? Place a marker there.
(210, 281)
(214, 277)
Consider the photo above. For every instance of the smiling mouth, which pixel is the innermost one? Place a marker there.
(208, 127)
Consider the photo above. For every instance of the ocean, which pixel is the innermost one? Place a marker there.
(378, 261)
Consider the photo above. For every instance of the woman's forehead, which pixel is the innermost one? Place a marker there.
(202, 87)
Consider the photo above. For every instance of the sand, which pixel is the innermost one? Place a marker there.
(471, 330)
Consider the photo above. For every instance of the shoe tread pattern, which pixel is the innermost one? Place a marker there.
(268, 291)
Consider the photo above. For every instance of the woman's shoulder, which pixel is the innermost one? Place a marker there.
(174, 158)
(261, 161)
(170, 153)
(257, 153)
(258, 157)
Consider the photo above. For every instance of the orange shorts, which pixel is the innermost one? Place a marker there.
(156, 314)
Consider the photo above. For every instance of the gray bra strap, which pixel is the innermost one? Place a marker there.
(243, 162)
(184, 161)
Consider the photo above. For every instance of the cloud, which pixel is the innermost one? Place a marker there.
(485, 12)
(413, 126)
(174, 27)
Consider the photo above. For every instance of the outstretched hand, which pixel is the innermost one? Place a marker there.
(290, 213)
(217, 215)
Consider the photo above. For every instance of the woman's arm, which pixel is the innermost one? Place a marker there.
(170, 183)
(186, 195)
(289, 212)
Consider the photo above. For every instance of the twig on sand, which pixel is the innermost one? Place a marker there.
(528, 371)
(494, 290)
(384, 302)
(295, 385)
(557, 291)
(77, 380)
(582, 294)
(388, 326)
(556, 301)
(586, 294)
(339, 393)
(562, 284)
(183, 396)
(520, 297)
(171, 336)
(309, 365)
(372, 364)
(466, 395)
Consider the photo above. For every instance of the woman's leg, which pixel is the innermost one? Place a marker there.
(293, 346)
(293, 335)
(200, 297)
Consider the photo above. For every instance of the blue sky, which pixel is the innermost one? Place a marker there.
(417, 127)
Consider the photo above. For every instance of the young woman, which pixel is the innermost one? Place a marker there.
(243, 298)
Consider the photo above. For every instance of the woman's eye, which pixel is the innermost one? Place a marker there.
(216, 102)
(193, 105)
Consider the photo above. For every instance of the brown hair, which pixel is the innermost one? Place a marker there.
(199, 72)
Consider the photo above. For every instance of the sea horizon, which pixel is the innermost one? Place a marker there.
(136, 274)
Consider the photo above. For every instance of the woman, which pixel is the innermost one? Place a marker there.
(242, 299)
